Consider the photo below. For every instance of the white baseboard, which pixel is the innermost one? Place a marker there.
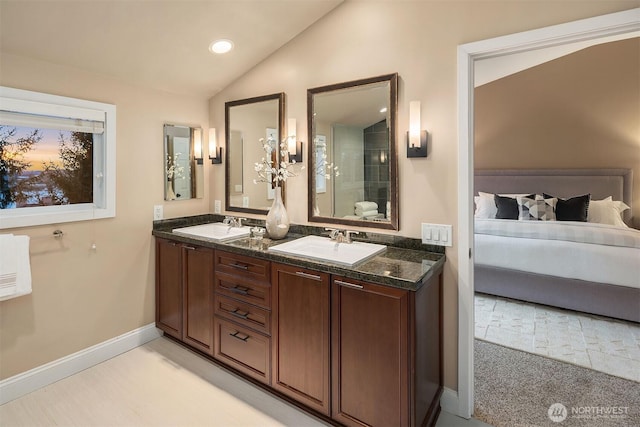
(33, 379)
(449, 402)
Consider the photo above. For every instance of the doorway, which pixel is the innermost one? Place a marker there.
(558, 35)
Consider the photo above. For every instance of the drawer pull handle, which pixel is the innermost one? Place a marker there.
(240, 314)
(191, 248)
(349, 285)
(239, 290)
(239, 336)
(308, 276)
(240, 266)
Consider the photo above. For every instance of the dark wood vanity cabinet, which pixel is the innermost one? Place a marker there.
(357, 353)
(184, 277)
(385, 353)
(301, 335)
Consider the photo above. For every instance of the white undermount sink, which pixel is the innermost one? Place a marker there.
(215, 230)
(325, 249)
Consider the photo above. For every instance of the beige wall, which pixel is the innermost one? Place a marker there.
(419, 41)
(578, 111)
(81, 298)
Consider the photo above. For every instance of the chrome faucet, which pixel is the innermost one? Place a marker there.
(232, 221)
(340, 236)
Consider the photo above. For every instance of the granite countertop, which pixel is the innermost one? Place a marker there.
(405, 263)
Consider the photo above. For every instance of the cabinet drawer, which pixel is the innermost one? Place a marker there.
(256, 293)
(243, 266)
(243, 349)
(243, 313)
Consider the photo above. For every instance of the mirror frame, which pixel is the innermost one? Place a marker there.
(393, 224)
(227, 136)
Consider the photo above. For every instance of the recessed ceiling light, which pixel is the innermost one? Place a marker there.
(221, 46)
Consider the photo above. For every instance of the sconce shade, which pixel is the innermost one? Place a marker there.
(416, 138)
(215, 153)
(197, 145)
(294, 147)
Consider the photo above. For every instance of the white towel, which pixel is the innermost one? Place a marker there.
(365, 207)
(369, 213)
(15, 266)
(8, 265)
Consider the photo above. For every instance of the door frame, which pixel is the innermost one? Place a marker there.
(582, 30)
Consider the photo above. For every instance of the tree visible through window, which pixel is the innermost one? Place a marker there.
(45, 167)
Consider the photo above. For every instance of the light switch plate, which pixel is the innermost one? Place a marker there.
(158, 212)
(437, 234)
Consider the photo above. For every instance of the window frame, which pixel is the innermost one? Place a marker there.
(104, 155)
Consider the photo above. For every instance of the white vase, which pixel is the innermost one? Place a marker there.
(277, 222)
(170, 194)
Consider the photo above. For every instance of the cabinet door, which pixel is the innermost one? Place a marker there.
(370, 372)
(198, 300)
(300, 318)
(169, 287)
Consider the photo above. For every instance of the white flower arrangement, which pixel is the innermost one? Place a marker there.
(268, 172)
(281, 170)
(174, 170)
(324, 168)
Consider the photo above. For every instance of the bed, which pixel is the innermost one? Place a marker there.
(583, 266)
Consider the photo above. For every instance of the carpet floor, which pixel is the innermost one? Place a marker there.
(518, 389)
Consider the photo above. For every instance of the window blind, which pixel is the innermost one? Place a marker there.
(12, 118)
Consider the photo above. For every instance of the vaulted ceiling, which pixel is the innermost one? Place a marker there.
(161, 44)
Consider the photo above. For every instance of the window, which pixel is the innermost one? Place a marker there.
(57, 159)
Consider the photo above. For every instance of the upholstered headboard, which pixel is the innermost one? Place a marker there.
(600, 183)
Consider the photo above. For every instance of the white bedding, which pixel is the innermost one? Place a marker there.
(584, 251)
(579, 232)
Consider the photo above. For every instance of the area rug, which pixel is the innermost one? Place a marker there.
(518, 389)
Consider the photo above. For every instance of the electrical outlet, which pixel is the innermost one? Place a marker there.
(437, 234)
(217, 206)
(158, 212)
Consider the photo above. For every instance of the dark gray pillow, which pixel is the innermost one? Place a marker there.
(572, 209)
(508, 206)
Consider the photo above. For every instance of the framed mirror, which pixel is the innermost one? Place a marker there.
(183, 172)
(247, 121)
(353, 165)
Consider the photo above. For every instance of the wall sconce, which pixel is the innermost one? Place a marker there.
(416, 138)
(294, 147)
(197, 145)
(383, 157)
(215, 152)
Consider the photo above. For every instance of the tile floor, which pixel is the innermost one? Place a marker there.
(162, 384)
(600, 343)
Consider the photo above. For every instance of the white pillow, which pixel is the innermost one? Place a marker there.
(485, 206)
(607, 211)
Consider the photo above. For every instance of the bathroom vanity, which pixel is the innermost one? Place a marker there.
(355, 345)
